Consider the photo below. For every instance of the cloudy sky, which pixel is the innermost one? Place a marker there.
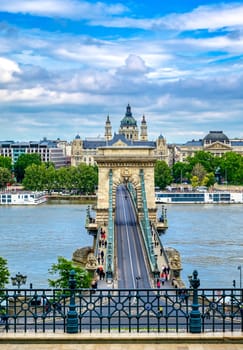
(66, 64)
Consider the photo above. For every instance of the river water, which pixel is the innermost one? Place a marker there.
(208, 237)
(32, 237)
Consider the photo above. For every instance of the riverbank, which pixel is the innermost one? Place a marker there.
(82, 199)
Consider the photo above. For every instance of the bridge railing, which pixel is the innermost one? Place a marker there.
(136, 310)
(132, 193)
(161, 247)
(146, 227)
(110, 236)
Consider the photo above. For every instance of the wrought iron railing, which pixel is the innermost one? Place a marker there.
(146, 227)
(110, 237)
(114, 310)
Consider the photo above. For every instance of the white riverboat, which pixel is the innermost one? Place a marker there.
(22, 198)
(198, 197)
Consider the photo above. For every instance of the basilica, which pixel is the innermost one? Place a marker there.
(129, 134)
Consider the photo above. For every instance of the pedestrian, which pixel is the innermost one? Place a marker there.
(162, 278)
(102, 275)
(167, 273)
(241, 310)
(94, 286)
(207, 313)
(102, 254)
(158, 283)
(182, 294)
(161, 310)
(98, 271)
(47, 305)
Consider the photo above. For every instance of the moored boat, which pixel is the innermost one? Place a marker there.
(198, 197)
(22, 198)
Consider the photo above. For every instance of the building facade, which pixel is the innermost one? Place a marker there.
(215, 142)
(49, 151)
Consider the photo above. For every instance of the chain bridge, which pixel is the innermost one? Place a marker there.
(126, 211)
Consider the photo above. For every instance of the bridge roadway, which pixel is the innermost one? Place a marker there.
(132, 268)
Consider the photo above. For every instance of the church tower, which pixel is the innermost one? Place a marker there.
(77, 151)
(108, 129)
(128, 126)
(161, 151)
(143, 130)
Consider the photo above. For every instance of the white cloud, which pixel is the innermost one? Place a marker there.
(217, 43)
(206, 17)
(65, 8)
(41, 96)
(7, 70)
(135, 65)
(212, 17)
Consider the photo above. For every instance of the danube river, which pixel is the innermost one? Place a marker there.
(208, 237)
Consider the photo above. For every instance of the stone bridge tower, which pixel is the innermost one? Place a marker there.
(125, 158)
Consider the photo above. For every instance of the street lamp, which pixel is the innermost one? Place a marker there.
(195, 321)
(18, 280)
(239, 268)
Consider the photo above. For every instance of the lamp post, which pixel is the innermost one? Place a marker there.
(195, 315)
(18, 280)
(239, 268)
(72, 315)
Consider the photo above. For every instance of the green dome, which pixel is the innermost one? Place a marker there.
(128, 120)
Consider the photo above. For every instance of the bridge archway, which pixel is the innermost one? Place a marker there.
(121, 164)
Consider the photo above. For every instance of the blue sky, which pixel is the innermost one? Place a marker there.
(66, 64)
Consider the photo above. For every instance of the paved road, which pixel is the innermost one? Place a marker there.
(131, 263)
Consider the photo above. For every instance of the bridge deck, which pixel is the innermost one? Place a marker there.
(131, 260)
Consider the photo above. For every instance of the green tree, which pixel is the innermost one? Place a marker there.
(162, 174)
(86, 178)
(210, 180)
(23, 162)
(6, 162)
(5, 177)
(230, 166)
(200, 172)
(206, 159)
(35, 177)
(194, 181)
(50, 178)
(4, 273)
(181, 172)
(63, 178)
(62, 272)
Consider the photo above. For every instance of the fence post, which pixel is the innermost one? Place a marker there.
(72, 315)
(195, 315)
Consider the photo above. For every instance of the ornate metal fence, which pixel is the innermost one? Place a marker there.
(115, 310)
